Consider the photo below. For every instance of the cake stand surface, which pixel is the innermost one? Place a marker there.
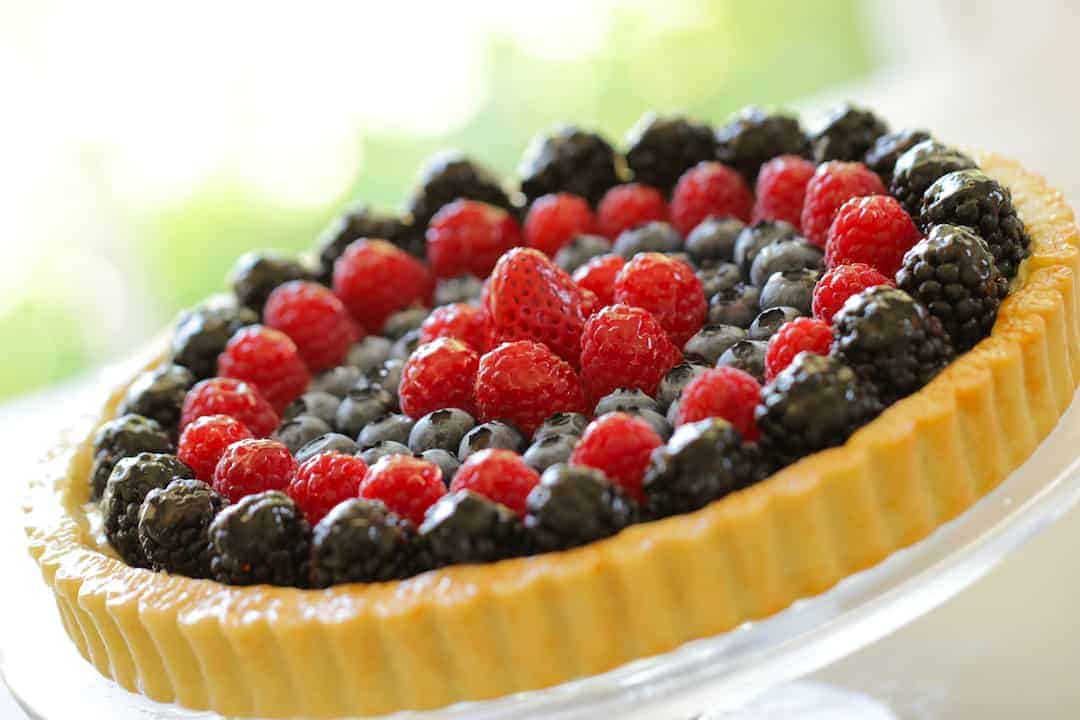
(741, 673)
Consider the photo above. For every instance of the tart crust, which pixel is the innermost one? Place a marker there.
(476, 632)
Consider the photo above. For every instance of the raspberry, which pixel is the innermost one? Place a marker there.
(833, 184)
(467, 236)
(523, 383)
(624, 347)
(667, 288)
(723, 392)
(408, 486)
(460, 321)
(553, 221)
(873, 230)
(323, 481)
(227, 396)
(709, 189)
(598, 275)
(204, 441)
(619, 445)
(267, 359)
(624, 207)
(499, 475)
(781, 188)
(793, 337)
(315, 319)
(252, 466)
(440, 374)
(373, 279)
(840, 283)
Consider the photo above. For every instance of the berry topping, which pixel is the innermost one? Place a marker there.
(919, 167)
(625, 207)
(204, 441)
(709, 189)
(253, 466)
(883, 154)
(325, 480)
(598, 276)
(362, 541)
(712, 242)
(624, 347)
(174, 524)
(809, 334)
(450, 176)
(459, 321)
(468, 237)
(123, 437)
(408, 486)
(570, 160)
(235, 398)
(466, 527)
(753, 136)
(363, 222)
(722, 392)
(619, 445)
(267, 359)
(442, 430)
(131, 480)
(668, 289)
(848, 132)
(499, 475)
(873, 230)
(373, 279)
(840, 283)
(159, 394)
(257, 274)
(315, 320)
(575, 505)
(833, 184)
(439, 375)
(492, 434)
(660, 149)
(201, 335)
(781, 189)
(263, 539)
(554, 220)
(523, 383)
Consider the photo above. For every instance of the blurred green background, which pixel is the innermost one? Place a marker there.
(118, 251)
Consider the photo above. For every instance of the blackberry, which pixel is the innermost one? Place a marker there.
(442, 429)
(492, 434)
(395, 427)
(891, 341)
(569, 423)
(405, 346)
(173, 527)
(361, 406)
(128, 485)
(369, 353)
(301, 430)
(331, 442)
(882, 155)
(710, 342)
(263, 539)
(122, 437)
(464, 288)
(202, 333)
(754, 136)
(158, 394)
(381, 449)
(403, 321)
(745, 355)
(737, 305)
(550, 450)
(318, 403)
(702, 462)
(785, 256)
(919, 167)
(336, 381)
(446, 461)
(464, 527)
(449, 176)
(581, 250)
(953, 274)
(713, 240)
(362, 541)
(569, 160)
(575, 505)
(816, 402)
(719, 277)
(650, 237)
(676, 379)
(624, 400)
(769, 321)
(755, 237)
(256, 274)
(363, 222)
(794, 288)
(848, 132)
(661, 149)
(974, 199)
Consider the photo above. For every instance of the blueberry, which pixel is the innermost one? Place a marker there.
(361, 406)
(550, 450)
(403, 321)
(710, 342)
(492, 434)
(656, 421)
(405, 345)
(624, 400)
(735, 306)
(672, 413)
(442, 429)
(369, 353)
(784, 256)
(380, 450)
(719, 277)
(650, 237)
(568, 423)
(387, 376)
(319, 403)
(446, 461)
(330, 442)
(581, 250)
(792, 289)
(677, 378)
(301, 430)
(746, 355)
(713, 241)
(769, 321)
(755, 237)
(464, 288)
(336, 381)
(394, 427)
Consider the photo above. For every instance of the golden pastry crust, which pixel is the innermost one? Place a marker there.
(476, 632)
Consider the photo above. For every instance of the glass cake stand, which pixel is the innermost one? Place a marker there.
(709, 678)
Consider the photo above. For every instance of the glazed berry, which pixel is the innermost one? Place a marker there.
(317, 403)
(261, 540)
(159, 394)
(201, 335)
(619, 445)
(368, 354)
(395, 427)
(873, 230)
(675, 381)
(702, 462)
(129, 483)
(660, 149)
(598, 276)
(174, 524)
(781, 189)
(360, 541)
(465, 527)
(523, 383)
(791, 255)
(718, 278)
(235, 398)
(299, 431)
(668, 289)
(450, 176)
(570, 160)
(575, 505)
(753, 136)
(363, 404)
(974, 199)
(267, 359)
(408, 486)
(204, 441)
(498, 475)
(315, 320)
(458, 321)
(833, 184)
(793, 289)
(746, 355)
(709, 189)
(758, 236)
(920, 167)
(442, 429)
(624, 400)
(253, 466)
(712, 242)
(891, 341)
(768, 322)
(840, 283)
(722, 392)
(554, 220)
(531, 298)
(256, 274)
(580, 250)
(550, 450)
(403, 322)
(562, 423)
(624, 347)
(492, 434)
(809, 334)
(405, 346)
(815, 403)
(363, 222)
(887, 149)
(440, 374)
(625, 207)
(373, 279)
(656, 237)
(463, 288)
(952, 272)
(468, 237)
(382, 449)
(847, 133)
(710, 342)
(736, 305)
(122, 437)
(331, 442)
(323, 481)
